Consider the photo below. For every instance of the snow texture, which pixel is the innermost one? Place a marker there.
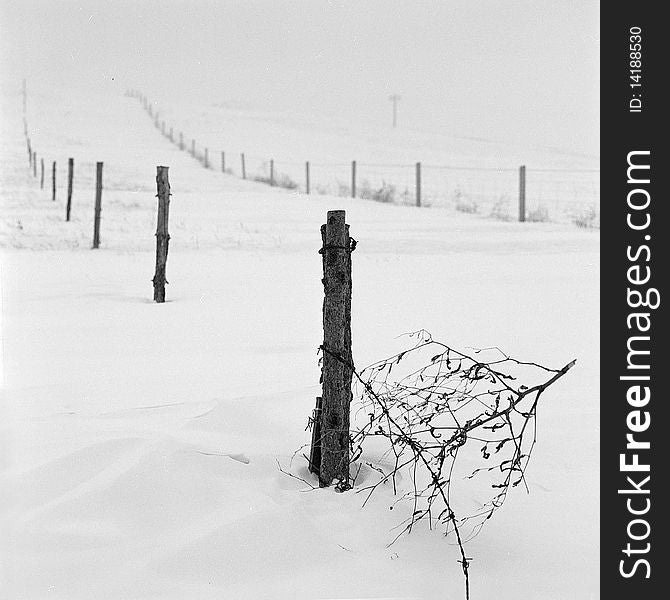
(141, 442)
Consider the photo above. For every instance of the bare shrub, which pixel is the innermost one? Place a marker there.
(430, 405)
(538, 215)
(464, 203)
(587, 218)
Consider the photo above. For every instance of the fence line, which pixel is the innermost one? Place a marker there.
(505, 193)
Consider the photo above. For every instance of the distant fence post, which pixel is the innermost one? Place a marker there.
(337, 368)
(34, 163)
(162, 235)
(307, 177)
(522, 193)
(98, 205)
(223, 162)
(418, 184)
(272, 172)
(70, 175)
(181, 140)
(41, 173)
(53, 181)
(206, 159)
(353, 178)
(244, 170)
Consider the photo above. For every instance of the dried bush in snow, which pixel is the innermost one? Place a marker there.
(432, 405)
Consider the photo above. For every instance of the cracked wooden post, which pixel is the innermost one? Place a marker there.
(337, 368)
(522, 193)
(162, 235)
(315, 448)
(53, 181)
(98, 205)
(307, 177)
(70, 175)
(418, 184)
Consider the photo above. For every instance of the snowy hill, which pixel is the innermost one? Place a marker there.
(141, 442)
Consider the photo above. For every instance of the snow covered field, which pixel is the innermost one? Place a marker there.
(140, 442)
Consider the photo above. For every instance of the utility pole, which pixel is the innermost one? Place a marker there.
(394, 98)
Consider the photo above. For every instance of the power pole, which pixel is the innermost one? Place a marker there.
(394, 98)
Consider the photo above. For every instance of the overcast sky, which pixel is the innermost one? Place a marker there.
(521, 70)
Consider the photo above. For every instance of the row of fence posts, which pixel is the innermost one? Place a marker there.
(330, 435)
(32, 165)
(271, 180)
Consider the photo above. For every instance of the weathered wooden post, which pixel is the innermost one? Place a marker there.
(337, 368)
(353, 178)
(98, 205)
(244, 170)
(223, 162)
(315, 448)
(41, 173)
(418, 184)
(307, 177)
(162, 235)
(272, 172)
(53, 181)
(522, 193)
(70, 175)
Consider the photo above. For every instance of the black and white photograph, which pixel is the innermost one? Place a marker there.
(300, 300)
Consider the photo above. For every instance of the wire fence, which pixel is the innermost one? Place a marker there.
(511, 193)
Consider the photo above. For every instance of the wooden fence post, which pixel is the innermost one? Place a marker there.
(244, 170)
(337, 368)
(307, 177)
(41, 173)
(98, 205)
(223, 162)
(418, 184)
(315, 449)
(353, 178)
(53, 181)
(272, 172)
(522, 193)
(70, 175)
(162, 235)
